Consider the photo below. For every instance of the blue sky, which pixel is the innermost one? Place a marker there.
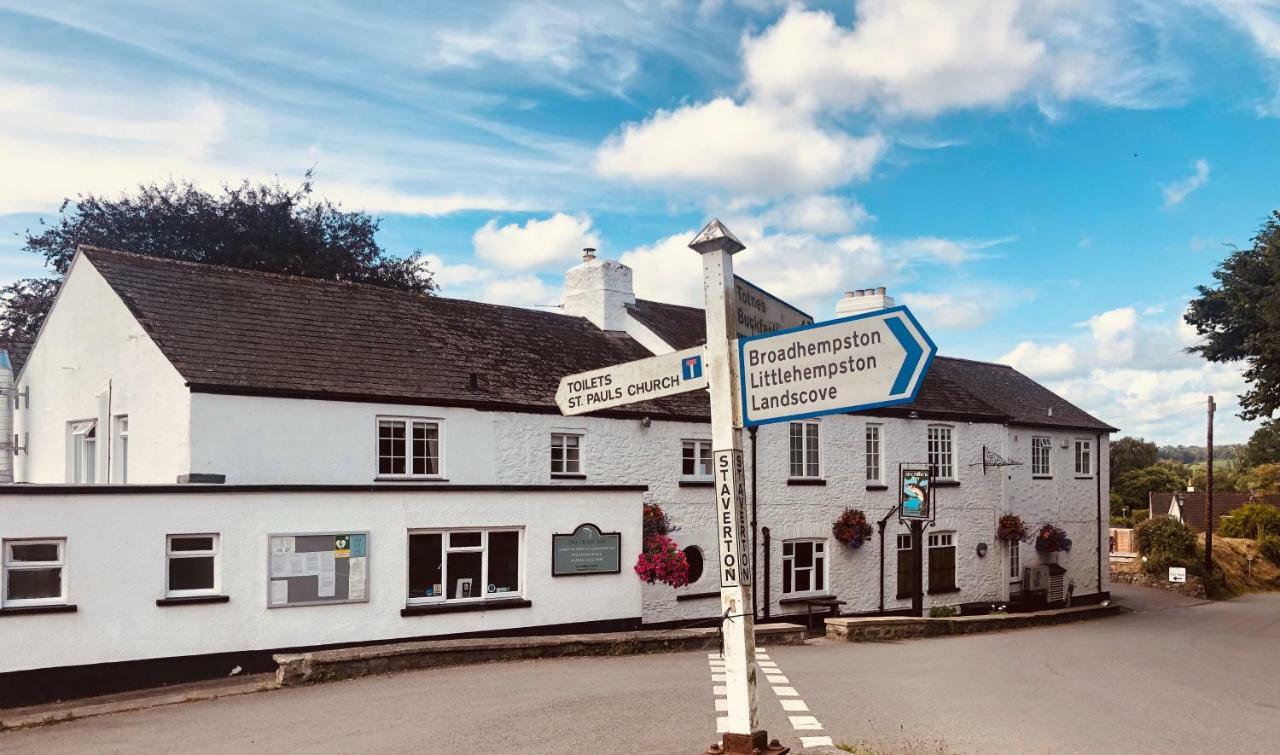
(1044, 183)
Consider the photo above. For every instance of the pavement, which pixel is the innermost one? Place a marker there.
(1174, 675)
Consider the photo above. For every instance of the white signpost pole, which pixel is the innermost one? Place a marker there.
(717, 246)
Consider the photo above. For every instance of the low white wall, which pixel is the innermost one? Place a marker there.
(116, 568)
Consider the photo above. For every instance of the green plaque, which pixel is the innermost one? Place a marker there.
(586, 551)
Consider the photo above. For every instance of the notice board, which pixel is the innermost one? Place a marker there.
(317, 569)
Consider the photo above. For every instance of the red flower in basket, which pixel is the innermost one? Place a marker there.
(852, 528)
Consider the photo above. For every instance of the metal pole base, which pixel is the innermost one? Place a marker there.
(755, 743)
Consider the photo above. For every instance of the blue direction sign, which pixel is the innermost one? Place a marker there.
(866, 361)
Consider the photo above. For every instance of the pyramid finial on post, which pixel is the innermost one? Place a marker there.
(713, 237)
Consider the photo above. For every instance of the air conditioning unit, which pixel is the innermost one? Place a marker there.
(1057, 584)
(1035, 578)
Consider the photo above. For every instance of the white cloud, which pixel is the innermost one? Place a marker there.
(1260, 19)
(1042, 361)
(553, 242)
(821, 214)
(478, 283)
(1115, 334)
(1175, 192)
(745, 148)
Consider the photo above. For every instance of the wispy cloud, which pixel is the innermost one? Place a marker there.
(1177, 191)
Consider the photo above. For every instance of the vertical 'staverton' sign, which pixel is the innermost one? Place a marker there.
(866, 361)
(731, 525)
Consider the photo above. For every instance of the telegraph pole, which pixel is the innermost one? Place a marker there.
(717, 246)
(1208, 513)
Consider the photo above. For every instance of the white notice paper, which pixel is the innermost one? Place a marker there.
(279, 564)
(356, 581)
(327, 581)
(282, 544)
(312, 564)
(279, 592)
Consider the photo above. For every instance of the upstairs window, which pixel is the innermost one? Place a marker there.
(84, 451)
(33, 573)
(408, 447)
(941, 453)
(804, 450)
(873, 458)
(1084, 457)
(1040, 446)
(695, 460)
(121, 460)
(566, 455)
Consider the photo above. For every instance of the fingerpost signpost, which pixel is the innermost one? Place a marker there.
(866, 361)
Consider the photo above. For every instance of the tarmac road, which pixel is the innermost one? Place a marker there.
(1174, 676)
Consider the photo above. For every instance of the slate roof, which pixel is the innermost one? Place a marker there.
(1196, 505)
(18, 353)
(240, 331)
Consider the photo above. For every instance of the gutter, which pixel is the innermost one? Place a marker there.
(1098, 478)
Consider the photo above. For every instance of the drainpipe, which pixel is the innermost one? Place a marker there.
(755, 551)
(1098, 480)
(767, 549)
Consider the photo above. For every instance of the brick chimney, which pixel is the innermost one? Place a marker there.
(599, 290)
(863, 300)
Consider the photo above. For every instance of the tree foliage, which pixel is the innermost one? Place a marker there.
(1131, 453)
(266, 227)
(1228, 477)
(1134, 486)
(1253, 521)
(1239, 320)
(1264, 444)
(1263, 479)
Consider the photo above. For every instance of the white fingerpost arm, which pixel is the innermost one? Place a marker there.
(717, 246)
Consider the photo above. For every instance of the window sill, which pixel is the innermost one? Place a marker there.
(876, 486)
(697, 595)
(806, 481)
(798, 599)
(484, 605)
(943, 591)
(411, 479)
(945, 483)
(192, 600)
(1084, 477)
(567, 476)
(19, 610)
(697, 483)
(1042, 477)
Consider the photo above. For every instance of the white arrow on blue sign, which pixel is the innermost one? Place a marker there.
(866, 361)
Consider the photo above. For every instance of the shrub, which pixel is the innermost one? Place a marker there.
(942, 612)
(1269, 548)
(1166, 542)
(1252, 521)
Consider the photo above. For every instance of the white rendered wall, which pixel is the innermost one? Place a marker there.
(89, 339)
(116, 569)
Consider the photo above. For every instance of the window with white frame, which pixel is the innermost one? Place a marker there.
(566, 454)
(84, 451)
(695, 460)
(408, 447)
(942, 562)
(804, 567)
(1015, 560)
(874, 460)
(1040, 447)
(804, 450)
(1084, 457)
(120, 459)
(941, 453)
(906, 566)
(34, 573)
(192, 567)
(460, 565)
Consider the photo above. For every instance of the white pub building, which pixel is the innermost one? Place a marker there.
(188, 436)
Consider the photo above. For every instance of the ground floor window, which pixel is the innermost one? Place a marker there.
(804, 567)
(942, 562)
(1015, 560)
(33, 573)
(464, 565)
(906, 566)
(193, 565)
(693, 554)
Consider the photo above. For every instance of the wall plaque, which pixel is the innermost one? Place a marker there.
(586, 551)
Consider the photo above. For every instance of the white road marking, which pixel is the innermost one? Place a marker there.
(722, 724)
(785, 692)
(816, 742)
(776, 679)
(796, 705)
(804, 722)
(719, 677)
(719, 690)
(722, 704)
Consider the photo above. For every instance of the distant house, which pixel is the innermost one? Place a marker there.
(154, 372)
(1190, 508)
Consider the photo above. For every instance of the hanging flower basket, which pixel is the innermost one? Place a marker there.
(656, 521)
(852, 528)
(1011, 528)
(662, 560)
(1051, 539)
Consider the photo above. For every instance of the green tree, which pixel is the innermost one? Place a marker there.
(1264, 444)
(1239, 320)
(1131, 453)
(253, 226)
(1263, 479)
(1135, 485)
(1227, 477)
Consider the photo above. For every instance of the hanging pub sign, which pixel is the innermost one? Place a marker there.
(914, 498)
(586, 551)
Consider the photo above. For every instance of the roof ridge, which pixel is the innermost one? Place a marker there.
(669, 304)
(92, 250)
(976, 361)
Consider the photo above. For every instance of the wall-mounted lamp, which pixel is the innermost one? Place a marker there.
(645, 422)
(982, 550)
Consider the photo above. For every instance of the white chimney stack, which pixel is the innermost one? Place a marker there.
(599, 290)
(863, 300)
